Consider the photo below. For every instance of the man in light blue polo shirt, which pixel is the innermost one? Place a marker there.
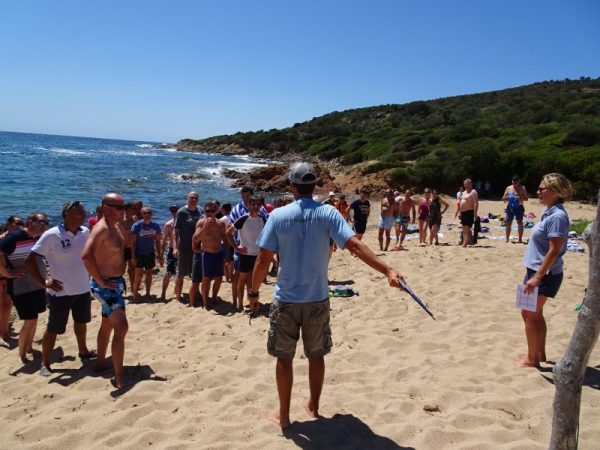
(300, 233)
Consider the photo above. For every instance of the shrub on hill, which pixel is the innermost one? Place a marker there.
(531, 130)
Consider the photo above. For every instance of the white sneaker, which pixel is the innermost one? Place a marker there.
(45, 372)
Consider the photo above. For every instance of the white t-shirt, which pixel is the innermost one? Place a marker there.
(249, 229)
(62, 251)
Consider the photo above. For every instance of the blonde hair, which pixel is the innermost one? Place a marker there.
(559, 184)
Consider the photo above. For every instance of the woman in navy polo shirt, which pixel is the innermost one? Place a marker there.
(543, 260)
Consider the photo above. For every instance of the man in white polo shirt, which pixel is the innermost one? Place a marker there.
(68, 282)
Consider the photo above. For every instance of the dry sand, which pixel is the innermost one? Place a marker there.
(203, 380)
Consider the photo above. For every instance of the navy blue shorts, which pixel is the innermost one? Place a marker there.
(212, 265)
(549, 285)
(512, 213)
(197, 268)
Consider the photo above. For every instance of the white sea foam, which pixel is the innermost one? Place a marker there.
(64, 151)
(144, 145)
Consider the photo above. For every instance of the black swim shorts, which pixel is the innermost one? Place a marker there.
(59, 307)
(467, 218)
(30, 305)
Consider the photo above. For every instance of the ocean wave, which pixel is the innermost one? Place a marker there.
(144, 145)
(125, 152)
(62, 151)
(186, 178)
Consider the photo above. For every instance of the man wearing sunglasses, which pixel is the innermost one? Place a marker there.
(29, 299)
(104, 258)
(67, 284)
(208, 240)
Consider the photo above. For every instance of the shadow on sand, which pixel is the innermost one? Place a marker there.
(342, 431)
(591, 378)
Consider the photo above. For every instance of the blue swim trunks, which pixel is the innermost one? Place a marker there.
(403, 220)
(110, 299)
(513, 212)
(212, 265)
(386, 223)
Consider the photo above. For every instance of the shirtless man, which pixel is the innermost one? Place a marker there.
(168, 243)
(388, 211)
(469, 204)
(103, 256)
(405, 206)
(515, 195)
(210, 234)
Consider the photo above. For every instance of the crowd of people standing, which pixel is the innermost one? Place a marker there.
(62, 268)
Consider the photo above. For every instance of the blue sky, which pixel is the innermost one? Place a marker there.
(163, 71)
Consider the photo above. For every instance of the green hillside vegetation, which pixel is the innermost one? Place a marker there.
(551, 126)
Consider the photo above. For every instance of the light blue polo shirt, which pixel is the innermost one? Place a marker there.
(300, 233)
(554, 223)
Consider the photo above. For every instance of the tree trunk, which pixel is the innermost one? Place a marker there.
(569, 372)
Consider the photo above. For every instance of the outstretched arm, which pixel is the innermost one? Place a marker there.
(366, 255)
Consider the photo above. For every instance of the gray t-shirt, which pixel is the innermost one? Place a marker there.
(185, 224)
(554, 223)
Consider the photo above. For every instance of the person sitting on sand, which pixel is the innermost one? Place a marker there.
(67, 285)
(544, 263)
(386, 221)
(28, 298)
(104, 258)
(406, 206)
(209, 237)
(300, 233)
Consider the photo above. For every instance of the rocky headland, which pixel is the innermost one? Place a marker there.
(273, 178)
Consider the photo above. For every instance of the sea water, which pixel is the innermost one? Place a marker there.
(40, 172)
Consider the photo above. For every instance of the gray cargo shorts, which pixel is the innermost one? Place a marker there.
(287, 319)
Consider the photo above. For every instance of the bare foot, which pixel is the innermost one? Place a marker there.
(119, 384)
(274, 417)
(309, 409)
(24, 360)
(524, 361)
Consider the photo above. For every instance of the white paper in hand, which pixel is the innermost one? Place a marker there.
(525, 301)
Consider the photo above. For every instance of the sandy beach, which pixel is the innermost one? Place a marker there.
(395, 378)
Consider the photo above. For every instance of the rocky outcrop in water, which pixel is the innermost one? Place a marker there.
(273, 178)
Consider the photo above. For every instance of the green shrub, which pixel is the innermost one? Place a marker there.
(585, 134)
(352, 158)
(400, 176)
(579, 226)
(379, 166)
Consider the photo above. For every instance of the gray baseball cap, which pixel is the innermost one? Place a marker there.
(302, 173)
